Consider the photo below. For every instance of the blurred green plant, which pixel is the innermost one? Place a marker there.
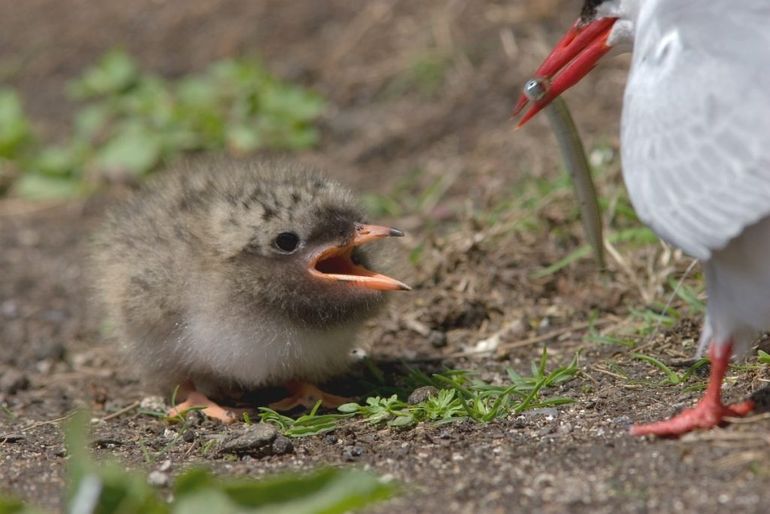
(107, 488)
(425, 74)
(133, 121)
(15, 131)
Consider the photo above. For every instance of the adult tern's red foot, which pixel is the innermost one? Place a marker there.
(710, 411)
(696, 152)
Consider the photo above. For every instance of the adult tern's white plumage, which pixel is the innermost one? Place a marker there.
(696, 153)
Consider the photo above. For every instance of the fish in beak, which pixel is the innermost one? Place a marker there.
(336, 263)
(571, 59)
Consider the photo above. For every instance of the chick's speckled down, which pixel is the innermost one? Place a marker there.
(198, 286)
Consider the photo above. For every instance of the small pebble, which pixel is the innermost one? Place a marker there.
(282, 445)
(153, 403)
(12, 438)
(437, 339)
(55, 351)
(519, 422)
(547, 412)
(421, 394)
(330, 439)
(9, 308)
(254, 439)
(157, 479)
(13, 381)
(195, 418)
(54, 315)
(622, 421)
(352, 453)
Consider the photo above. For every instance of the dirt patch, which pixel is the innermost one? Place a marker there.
(420, 93)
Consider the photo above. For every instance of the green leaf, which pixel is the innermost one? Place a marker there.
(292, 103)
(688, 295)
(328, 491)
(57, 161)
(90, 120)
(14, 506)
(349, 408)
(15, 130)
(207, 501)
(243, 138)
(402, 421)
(103, 488)
(114, 73)
(42, 187)
(671, 376)
(134, 149)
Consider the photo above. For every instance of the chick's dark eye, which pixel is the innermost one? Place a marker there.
(286, 242)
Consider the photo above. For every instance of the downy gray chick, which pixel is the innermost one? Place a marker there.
(230, 276)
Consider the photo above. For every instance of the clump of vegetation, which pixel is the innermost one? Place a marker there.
(459, 395)
(107, 488)
(132, 121)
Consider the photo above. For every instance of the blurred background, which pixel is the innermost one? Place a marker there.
(398, 89)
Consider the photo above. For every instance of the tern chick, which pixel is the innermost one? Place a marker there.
(232, 276)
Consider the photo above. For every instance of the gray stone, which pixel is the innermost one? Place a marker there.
(421, 394)
(158, 479)
(153, 403)
(13, 381)
(282, 445)
(437, 339)
(547, 412)
(352, 453)
(253, 440)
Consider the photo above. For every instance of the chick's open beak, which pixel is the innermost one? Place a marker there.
(335, 263)
(570, 60)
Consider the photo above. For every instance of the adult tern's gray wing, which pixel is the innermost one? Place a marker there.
(696, 120)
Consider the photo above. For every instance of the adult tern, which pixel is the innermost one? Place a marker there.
(695, 146)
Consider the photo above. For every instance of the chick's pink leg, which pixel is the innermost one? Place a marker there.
(194, 399)
(307, 395)
(709, 412)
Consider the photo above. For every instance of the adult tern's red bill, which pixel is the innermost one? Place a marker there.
(696, 153)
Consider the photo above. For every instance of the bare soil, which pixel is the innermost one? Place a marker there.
(390, 121)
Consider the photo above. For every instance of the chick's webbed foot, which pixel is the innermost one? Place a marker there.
(307, 395)
(709, 412)
(194, 399)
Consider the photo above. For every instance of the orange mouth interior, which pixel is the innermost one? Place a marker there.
(336, 264)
